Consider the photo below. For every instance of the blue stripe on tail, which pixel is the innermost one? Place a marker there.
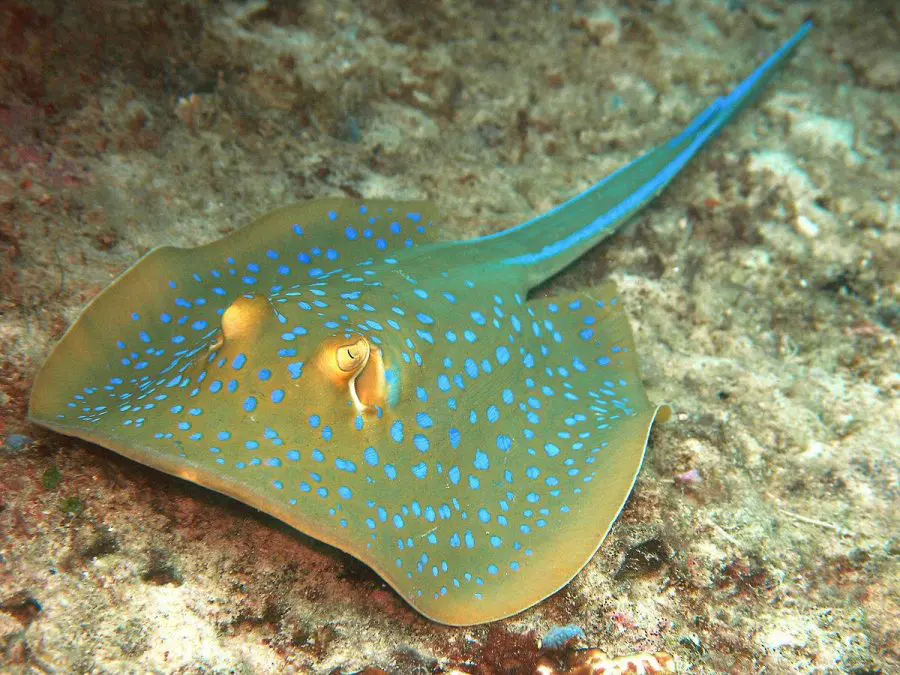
(703, 128)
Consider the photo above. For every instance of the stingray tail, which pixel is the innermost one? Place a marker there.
(555, 239)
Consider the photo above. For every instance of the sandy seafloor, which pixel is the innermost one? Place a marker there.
(762, 288)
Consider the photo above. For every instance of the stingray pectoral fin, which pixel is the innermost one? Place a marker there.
(302, 242)
(106, 342)
(565, 544)
(535, 472)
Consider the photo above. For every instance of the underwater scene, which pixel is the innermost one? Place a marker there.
(449, 336)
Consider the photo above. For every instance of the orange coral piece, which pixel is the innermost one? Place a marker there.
(597, 662)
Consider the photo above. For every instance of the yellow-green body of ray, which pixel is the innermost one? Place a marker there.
(336, 365)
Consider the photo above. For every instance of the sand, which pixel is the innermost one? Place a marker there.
(762, 287)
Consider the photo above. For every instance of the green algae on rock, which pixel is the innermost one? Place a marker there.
(337, 365)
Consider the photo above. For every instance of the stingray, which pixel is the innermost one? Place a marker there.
(337, 365)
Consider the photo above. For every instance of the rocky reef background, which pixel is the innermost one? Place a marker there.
(762, 534)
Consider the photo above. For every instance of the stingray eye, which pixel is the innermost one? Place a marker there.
(348, 358)
(351, 358)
